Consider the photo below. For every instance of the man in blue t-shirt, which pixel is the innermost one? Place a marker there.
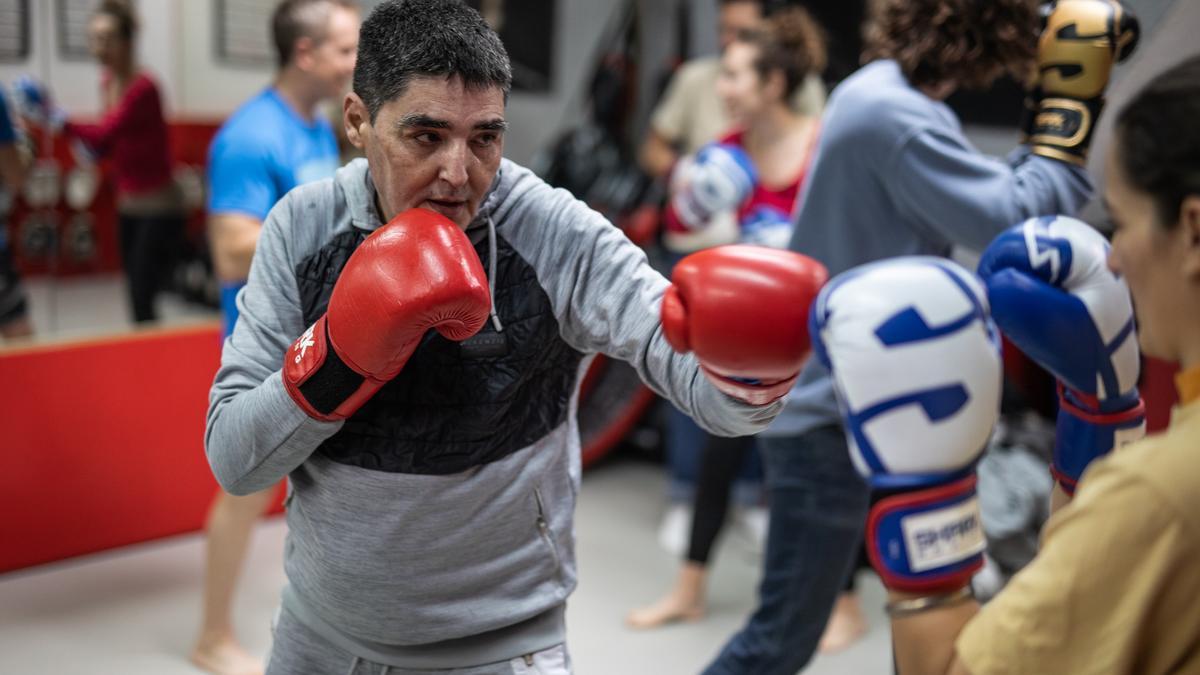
(272, 143)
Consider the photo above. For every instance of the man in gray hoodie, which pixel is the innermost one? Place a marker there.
(432, 486)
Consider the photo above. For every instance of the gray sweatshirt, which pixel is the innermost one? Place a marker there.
(894, 175)
(389, 554)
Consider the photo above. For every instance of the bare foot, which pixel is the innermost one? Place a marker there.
(224, 656)
(846, 625)
(671, 608)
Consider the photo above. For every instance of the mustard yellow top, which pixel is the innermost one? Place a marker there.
(1187, 383)
(1116, 585)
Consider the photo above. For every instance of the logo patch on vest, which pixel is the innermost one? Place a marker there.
(484, 345)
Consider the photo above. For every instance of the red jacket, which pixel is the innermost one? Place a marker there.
(134, 135)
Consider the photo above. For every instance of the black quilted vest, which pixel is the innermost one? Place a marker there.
(455, 406)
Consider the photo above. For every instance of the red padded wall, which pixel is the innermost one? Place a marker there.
(102, 443)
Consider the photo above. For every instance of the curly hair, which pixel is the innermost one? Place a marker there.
(968, 42)
(791, 42)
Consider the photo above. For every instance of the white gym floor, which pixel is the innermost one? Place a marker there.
(133, 611)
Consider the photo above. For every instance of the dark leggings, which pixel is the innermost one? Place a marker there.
(719, 467)
(148, 248)
(864, 561)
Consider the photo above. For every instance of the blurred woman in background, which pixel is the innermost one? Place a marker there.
(132, 133)
(760, 72)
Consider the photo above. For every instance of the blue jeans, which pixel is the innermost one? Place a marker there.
(685, 442)
(818, 508)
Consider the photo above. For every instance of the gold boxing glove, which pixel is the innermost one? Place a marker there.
(1076, 52)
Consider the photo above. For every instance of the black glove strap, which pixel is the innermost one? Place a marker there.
(1062, 128)
(332, 384)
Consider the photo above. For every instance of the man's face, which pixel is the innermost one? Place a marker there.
(736, 17)
(331, 60)
(436, 146)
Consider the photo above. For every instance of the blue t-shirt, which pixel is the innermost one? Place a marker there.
(261, 152)
(264, 150)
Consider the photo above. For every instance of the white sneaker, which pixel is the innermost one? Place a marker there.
(676, 529)
(751, 524)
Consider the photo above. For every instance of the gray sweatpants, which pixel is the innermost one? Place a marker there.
(298, 650)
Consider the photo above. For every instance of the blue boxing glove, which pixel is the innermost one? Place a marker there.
(33, 101)
(719, 178)
(916, 366)
(1053, 295)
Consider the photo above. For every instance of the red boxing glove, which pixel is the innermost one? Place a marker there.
(415, 273)
(743, 310)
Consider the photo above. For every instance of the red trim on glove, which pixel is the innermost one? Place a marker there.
(1128, 415)
(1067, 483)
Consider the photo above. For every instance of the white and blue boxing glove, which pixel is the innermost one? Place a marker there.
(718, 178)
(915, 361)
(32, 100)
(767, 226)
(1053, 295)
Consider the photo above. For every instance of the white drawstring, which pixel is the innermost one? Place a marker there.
(492, 272)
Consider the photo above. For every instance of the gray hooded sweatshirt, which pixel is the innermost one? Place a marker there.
(434, 528)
